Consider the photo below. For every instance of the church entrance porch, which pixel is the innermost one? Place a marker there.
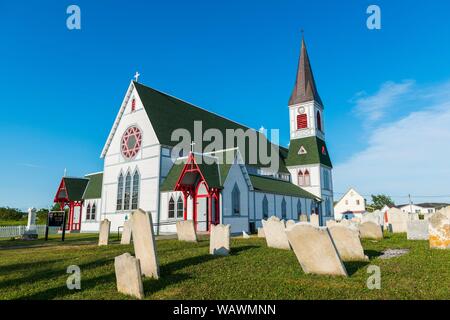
(197, 184)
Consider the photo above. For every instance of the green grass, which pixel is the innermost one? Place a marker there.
(37, 270)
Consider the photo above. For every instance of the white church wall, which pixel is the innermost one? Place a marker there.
(168, 225)
(90, 225)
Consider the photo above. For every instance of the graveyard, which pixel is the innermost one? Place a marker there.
(38, 270)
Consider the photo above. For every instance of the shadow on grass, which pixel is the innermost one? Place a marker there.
(27, 266)
(353, 266)
(238, 250)
(372, 253)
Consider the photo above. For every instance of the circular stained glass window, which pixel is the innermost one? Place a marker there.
(131, 142)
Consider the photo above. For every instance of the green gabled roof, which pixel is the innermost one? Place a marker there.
(215, 174)
(75, 188)
(271, 185)
(313, 155)
(94, 186)
(167, 113)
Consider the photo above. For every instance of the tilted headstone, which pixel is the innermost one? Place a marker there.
(126, 233)
(375, 217)
(128, 275)
(303, 218)
(245, 235)
(348, 243)
(144, 243)
(439, 230)
(315, 250)
(370, 230)
(314, 219)
(397, 219)
(261, 233)
(417, 230)
(186, 231)
(219, 241)
(290, 223)
(105, 227)
(274, 229)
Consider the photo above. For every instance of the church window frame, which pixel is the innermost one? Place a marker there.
(300, 178)
(265, 207)
(307, 178)
(120, 192)
(180, 207)
(93, 212)
(171, 208)
(302, 121)
(283, 208)
(136, 188)
(127, 192)
(88, 212)
(236, 201)
(319, 121)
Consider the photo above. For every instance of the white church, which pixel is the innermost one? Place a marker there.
(140, 171)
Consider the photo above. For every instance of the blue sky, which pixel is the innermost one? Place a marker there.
(61, 89)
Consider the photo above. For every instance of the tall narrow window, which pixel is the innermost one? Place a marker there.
(180, 207)
(299, 208)
(120, 193)
(135, 195)
(265, 207)
(319, 121)
(301, 178)
(283, 209)
(93, 210)
(307, 181)
(171, 208)
(133, 104)
(302, 121)
(88, 212)
(127, 192)
(236, 200)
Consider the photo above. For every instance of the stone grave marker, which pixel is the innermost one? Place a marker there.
(126, 233)
(261, 233)
(417, 230)
(128, 275)
(348, 243)
(439, 230)
(186, 231)
(274, 229)
(370, 230)
(314, 219)
(105, 227)
(219, 241)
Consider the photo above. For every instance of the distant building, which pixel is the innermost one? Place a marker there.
(352, 204)
(422, 208)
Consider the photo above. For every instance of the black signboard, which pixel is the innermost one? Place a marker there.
(56, 219)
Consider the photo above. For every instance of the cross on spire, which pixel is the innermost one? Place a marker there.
(136, 76)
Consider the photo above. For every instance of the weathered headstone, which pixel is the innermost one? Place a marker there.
(315, 250)
(397, 219)
(31, 231)
(370, 230)
(245, 235)
(290, 223)
(128, 275)
(261, 233)
(219, 241)
(303, 218)
(375, 217)
(348, 243)
(439, 230)
(314, 219)
(105, 227)
(331, 223)
(417, 230)
(126, 233)
(186, 231)
(144, 243)
(274, 229)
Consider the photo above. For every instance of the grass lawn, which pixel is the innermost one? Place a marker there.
(37, 270)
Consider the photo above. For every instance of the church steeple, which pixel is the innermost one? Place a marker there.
(305, 87)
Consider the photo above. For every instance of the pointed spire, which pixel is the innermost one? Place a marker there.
(305, 87)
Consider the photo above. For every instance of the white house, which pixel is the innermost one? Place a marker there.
(140, 170)
(352, 204)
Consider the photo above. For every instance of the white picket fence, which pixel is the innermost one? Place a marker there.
(17, 231)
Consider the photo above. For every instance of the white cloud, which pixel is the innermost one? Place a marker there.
(374, 107)
(410, 155)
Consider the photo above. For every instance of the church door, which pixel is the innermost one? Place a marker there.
(202, 206)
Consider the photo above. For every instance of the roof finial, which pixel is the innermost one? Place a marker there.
(303, 33)
(136, 76)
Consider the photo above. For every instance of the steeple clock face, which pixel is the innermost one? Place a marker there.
(131, 142)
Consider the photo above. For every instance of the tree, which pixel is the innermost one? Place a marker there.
(7, 213)
(381, 200)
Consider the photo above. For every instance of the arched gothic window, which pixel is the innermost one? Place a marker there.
(88, 212)
(299, 208)
(180, 207)
(127, 192)
(319, 121)
(120, 193)
(265, 207)
(236, 200)
(301, 178)
(171, 208)
(307, 178)
(283, 209)
(136, 187)
(302, 121)
(93, 210)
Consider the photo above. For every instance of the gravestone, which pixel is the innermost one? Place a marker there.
(186, 231)
(290, 223)
(128, 275)
(105, 227)
(445, 211)
(314, 219)
(144, 243)
(261, 233)
(370, 230)
(348, 243)
(245, 235)
(219, 241)
(303, 218)
(375, 217)
(417, 230)
(439, 230)
(331, 223)
(126, 233)
(31, 231)
(397, 220)
(315, 250)
(274, 229)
